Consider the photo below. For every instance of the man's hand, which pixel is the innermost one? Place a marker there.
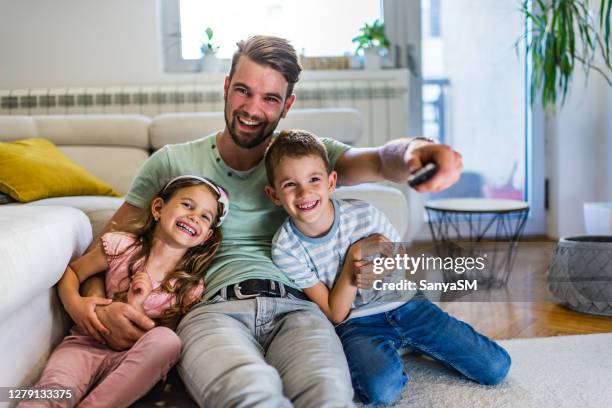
(82, 312)
(449, 164)
(140, 288)
(125, 323)
(396, 160)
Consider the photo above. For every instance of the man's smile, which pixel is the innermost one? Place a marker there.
(247, 122)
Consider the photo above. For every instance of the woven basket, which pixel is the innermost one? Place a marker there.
(580, 273)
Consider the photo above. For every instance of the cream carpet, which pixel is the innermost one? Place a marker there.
(565, 371)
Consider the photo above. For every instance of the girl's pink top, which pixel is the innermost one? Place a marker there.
(118, 251)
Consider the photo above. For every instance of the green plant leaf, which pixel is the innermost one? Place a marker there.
(604, 24)
(561, 33)
(372, 36)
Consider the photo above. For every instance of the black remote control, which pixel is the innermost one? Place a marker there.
(422, 175)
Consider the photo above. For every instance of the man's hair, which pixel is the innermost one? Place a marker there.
(275, 52)
(294, 143)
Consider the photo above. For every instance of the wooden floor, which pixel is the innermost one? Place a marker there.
(540, 317)
(526, 320)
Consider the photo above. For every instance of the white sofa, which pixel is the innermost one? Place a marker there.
(37, 240)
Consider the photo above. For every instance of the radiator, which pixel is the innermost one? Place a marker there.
(380, 96)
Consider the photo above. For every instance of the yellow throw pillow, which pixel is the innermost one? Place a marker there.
(33, 169)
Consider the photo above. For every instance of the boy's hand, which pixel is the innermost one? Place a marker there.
(82, 311)
(364, 276)
(140, 288)
(361, 253)
(366, 247)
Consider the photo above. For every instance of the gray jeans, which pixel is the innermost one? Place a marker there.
(263, 352)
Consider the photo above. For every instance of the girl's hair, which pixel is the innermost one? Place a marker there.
(191, 268)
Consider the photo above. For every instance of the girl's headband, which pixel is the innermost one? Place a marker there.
(223, 196)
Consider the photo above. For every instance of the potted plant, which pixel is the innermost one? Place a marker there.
(564, 34)
(209, 61)
(372, 41)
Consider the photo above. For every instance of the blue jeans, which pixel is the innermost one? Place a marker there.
(371, 345)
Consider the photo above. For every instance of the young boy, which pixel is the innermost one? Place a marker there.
(319, 247)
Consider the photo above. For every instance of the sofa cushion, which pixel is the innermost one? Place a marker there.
(342, 124)
(337, 123)
(387, 199)
(172, 128)
(17, 127)
(98, 209)
(114, 165)
(36, 244)
(32, 169)
(29, 334)
(111, 147)
(95, 130)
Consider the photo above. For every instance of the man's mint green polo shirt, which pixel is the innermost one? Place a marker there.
(252, 220)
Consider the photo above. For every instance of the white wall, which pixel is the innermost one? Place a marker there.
(607, 151)
(579, 154)
(486, 105)
(80, 43)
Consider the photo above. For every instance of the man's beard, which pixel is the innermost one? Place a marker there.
(257, 138)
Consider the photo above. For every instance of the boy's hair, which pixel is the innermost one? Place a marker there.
(293, 143)
(191, 268)
(274, 52)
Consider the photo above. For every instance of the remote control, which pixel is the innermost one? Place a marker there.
(422, 175)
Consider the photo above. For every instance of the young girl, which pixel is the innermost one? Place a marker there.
(156, 265)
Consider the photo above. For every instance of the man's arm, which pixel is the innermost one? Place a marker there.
(94, 286)
(396, 160)
(125, 323)
(124, 213)
(82, 309)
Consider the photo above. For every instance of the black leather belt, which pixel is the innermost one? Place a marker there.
(252, 288)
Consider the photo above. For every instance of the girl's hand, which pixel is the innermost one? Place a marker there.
(140, 288)
(84, 315)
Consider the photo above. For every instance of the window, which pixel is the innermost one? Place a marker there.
(434, 17)
(474, 97)
(313, 27)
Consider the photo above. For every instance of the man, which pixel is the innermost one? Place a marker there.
(253, 341)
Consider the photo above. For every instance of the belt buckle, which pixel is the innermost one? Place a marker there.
(239, 294)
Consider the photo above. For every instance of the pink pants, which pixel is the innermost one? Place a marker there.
(102, 377)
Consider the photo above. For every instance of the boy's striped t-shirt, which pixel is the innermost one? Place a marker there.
(306, 260)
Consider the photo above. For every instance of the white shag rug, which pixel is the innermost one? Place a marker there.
(565, 371)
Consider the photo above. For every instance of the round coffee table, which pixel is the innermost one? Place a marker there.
(460, 226)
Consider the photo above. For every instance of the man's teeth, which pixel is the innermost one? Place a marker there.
(308, 205)
(248, 122)
(186, 228)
